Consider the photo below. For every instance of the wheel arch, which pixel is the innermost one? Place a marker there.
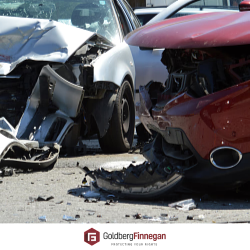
(129, 79)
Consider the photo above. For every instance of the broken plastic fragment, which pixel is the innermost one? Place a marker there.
(199, 217)
(6, 171)
(69, 218)
(157, 219)
(42, 218)
(108, 202)
(70, 173)
(184, 205)
(137, 216)
(145, 217)
(43, 198)
(94, 200)
(164, 215)
(173, 218)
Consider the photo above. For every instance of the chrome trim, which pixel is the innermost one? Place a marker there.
(215, 150)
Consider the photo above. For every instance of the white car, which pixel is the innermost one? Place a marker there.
(62, 76)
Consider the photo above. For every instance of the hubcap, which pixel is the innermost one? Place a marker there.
(125, 115)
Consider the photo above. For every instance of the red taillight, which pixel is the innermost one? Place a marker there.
(244, 6)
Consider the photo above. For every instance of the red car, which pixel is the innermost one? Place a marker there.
(201, 114)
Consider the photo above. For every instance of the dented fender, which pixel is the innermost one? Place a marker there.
(115, 65)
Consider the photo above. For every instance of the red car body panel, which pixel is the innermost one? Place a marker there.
(219, 119)
(195, 31)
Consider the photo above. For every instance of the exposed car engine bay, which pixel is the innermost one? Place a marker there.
(56, 103)
(205, 71)
(18, 86)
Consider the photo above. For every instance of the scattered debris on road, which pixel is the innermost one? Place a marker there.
(137, 216)
(6, 171)
(173, 218)
(42, 218)
(94, 200)
(184, 205)
(69, 218)
(196, 217)
(41, 198)
(70, 173)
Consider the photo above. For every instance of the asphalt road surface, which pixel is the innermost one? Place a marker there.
(62, 188)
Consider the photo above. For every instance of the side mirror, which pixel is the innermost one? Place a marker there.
(244, 6)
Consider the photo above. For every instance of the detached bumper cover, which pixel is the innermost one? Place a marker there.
(24, 154)
(145, 181)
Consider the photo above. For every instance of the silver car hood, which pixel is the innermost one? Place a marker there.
(37, 39)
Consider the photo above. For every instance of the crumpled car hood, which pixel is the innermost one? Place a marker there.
(37, 39)
(195, 31)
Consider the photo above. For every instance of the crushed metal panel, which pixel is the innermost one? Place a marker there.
(145, 181)
(65, 95)
(39, 158)
(24, 154)
(37, 39)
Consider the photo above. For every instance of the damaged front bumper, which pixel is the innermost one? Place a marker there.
(53, 103)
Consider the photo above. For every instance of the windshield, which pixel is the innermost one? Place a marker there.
(93, 15)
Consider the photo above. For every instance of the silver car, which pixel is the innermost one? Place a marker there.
(62, 75)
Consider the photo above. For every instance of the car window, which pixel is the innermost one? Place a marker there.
(93, 15)
(145, 18)
(132, 14)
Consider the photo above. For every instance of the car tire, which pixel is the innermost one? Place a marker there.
(120, 134)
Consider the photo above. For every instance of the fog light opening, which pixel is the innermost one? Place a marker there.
(225, 157)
